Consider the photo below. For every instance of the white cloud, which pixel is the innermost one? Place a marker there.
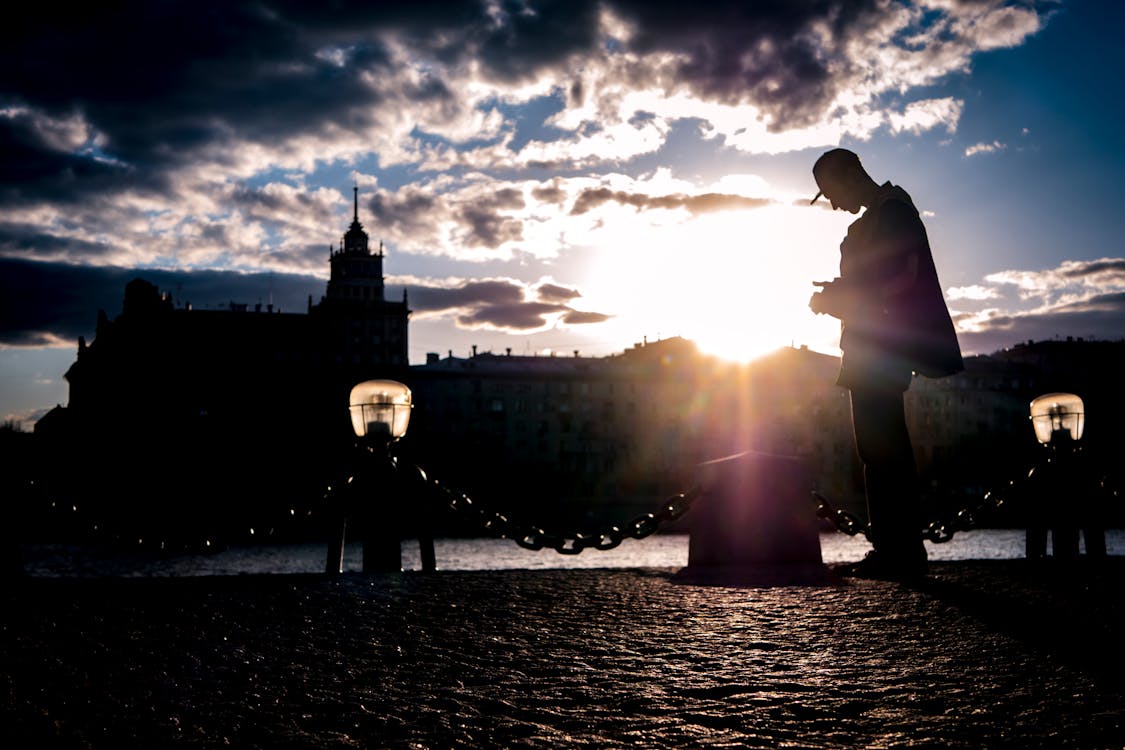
(974, 292)
(992, 24)
(1071, 277)
(618, 141)
(984, 320)
(985, 148)
(921, 116)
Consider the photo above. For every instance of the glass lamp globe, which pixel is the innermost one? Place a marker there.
(380, 409)
(1053, 412)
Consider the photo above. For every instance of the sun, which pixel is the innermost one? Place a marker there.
(735, 282)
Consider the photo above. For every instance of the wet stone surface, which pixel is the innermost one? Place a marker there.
(980, 654)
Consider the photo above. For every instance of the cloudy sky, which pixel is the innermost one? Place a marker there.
(553, 176)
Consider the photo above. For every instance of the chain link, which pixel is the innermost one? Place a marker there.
(532, 537)
(939, 531)
(844, 521)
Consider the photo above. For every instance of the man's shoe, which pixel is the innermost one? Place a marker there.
(883, 567)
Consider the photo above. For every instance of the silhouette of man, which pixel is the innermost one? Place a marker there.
(893, 322)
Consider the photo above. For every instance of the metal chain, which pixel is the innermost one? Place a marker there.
(532, 537)
(938, 531)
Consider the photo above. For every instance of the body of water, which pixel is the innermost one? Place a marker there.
(658, 551)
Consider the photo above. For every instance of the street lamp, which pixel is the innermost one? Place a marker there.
(380, 414)
(380, 410)
(1062, 496)
(1054, 414)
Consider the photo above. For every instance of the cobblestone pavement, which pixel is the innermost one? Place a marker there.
(978, 655)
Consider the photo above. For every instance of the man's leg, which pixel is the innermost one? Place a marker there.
(890, 474)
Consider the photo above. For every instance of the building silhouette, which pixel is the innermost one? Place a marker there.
(181, 419)
(570, 439)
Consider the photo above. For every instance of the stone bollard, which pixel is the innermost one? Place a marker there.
(756, 521)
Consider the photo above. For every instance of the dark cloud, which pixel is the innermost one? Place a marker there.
(273, 202)
(483, 220)
(579, 317)
(1101, 317)
(591, 198)
(405, 210)
(509, 199)
(536, 35)
(40, 302)
(556, 293)
(521, 317)
(488, 228)
(30, 242)
(487, 225)
(710, 202)
(471, 294)
(500, 304)
(762, 52)
(1103, 266)
(1110, 302)
(549, 194)
(33, 167)
(161, 82)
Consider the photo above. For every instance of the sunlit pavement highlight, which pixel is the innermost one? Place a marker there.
(977, 654)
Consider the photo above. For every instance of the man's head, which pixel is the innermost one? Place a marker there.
(842, 180)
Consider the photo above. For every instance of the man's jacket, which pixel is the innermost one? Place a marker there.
(884, 335)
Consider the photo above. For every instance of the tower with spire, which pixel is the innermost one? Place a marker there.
(366, 330)
(356, 275)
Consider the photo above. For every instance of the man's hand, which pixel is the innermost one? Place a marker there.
(832, 299)
(816, 302)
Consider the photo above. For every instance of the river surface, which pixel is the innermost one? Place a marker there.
(657, 551)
